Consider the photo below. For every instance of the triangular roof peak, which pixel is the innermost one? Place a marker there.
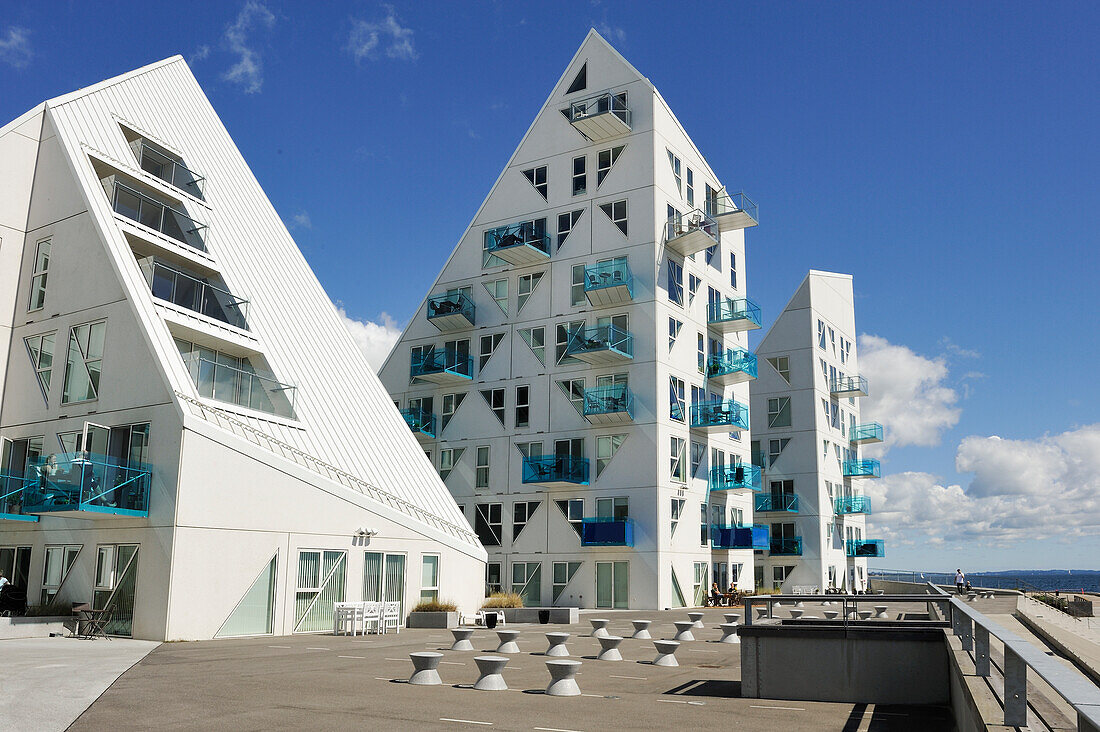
(66, 98)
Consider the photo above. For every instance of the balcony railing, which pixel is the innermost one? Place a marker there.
(87, 483)
(865, 548)
(733, 211)
(861, 469)
(735, 366)
(741, 477)
(731, 315)
(194, 294)
(611, 404)
(450, 312)
(863, 434)
(244, 387)
(171, 171)
(555, 469)
(776, 502)
(607, 531)
(691, 232)
(739, 536)
(421, 422)
(158, 216)
(11, 498)
(791, 547)
(726, 415)
(601, 117)
(519, 244)
(848, 386)
(601, 344)
(852, 504)
(442, 367)
(608, 283)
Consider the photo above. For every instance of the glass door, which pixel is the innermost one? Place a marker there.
(116, 585)
(384, 579)
(612, 584)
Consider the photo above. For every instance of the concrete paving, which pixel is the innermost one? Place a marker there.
(46, 683)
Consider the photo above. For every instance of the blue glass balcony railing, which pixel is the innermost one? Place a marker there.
(522, 243)
(865, 548)
(852, 504)
(848, 386)
(739, 536)
(607, 531)
(442, 366)
(733, 206)
(725, 414)
(607, 401)
(791, 547)
(549, 469)
(866, 433)
(600, 344)
(741, 477)
(11, 498)
(861, 469)
(453, 311)
(609, 283)
(735, 366)
(734, 314)
(776, 502)
(88, 483)
(420, 421)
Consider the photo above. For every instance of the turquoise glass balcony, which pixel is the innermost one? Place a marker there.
(865, 434)
(862, 469)
(520, 244)
(735, 366)
(852, 504)
(725, 415)
(612, 404)
(11, 497)
(733, 211)
(600, 345)
(442, 367)
(161, 217)
(451, 312)
(776, 503)
(421, 422)
(849, 386)
(690, 233)
(601, 117)
(737, 536)
(608, 283)
(607, 531)
(734, 478)
(733, 315)
(87, 485)
(791, 547)
(559, 471)
(870, 548)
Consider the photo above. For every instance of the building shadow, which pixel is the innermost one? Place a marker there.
(707, 687)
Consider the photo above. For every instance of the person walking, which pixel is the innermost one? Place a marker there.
(960, 581)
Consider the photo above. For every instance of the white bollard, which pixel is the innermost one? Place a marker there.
(462, 639)
(666, 653)
(557, 644)
(683, 630)
(599, 627)
(508, 641)
(729, 633)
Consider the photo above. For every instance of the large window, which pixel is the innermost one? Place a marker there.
(82, 367)
(779, 412)
(481, 470)
(605, 160)
(612, 584)
(448, 458)
(691, 187)
(562, 341)
(677, 466)
(384, 579)
(675, 163)
(563, 574)
(675, 282)
(566, 223)
(429, 578)
(733, 270)
(527, 582)
(576, 286)
(495, 399)
(451, 403)
(523, 406)
(15, 563)
(606, 447)
(38, 277)
(492, 578)
(527, 285)
(704, 525)
(573, 510)
(58, 561)
(488, 346)
(255, 613)
(522, 511)
(498, 290)
(116, 585)
(321, 579)
(40, 349)
(677, 405)
(488, 523)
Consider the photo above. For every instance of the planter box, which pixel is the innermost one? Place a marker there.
(432, 620)
(558, 615)
(36, 627)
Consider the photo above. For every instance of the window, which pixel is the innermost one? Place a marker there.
(563, 574)
(677, 510)
(832, 340)
(40, 349)
(580, 176)
(693, 287)
(733, 270)
(674, 326)
(535, 338)
(573, 510)
(527, 582)
(320, 586)
(775, 447)
(825, 409)
(495, 399)
(782, 365)
(429, 578)
(704, 525)
(845, 350)
(701, 352)
(606, 447)
(576, 286)
(566, 223)
(487, 523)
(58, 561)
(675, 282)
(527, 285)
(691, 187)
(522, 511)
(821, 334)
(709, 256)
(82, 368)
(448, 458)
(492, 579)
(698, 452)
(616, 509)
(38, 277)
(498, 290)
(605, 160)
(451, 403)
(537, 177)
(677, 405)
(677, 469)
(580, 81)
(574, 392)
(616, 211)
(481, 472)
(563, 340)
(489, 345)
(834, 417)
(779, 412)
(523, 406)
(675, 163)
(529, 449)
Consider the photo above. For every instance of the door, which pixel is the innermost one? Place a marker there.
(564, 452)
(384, 578)
(116, 585)
(612, 584)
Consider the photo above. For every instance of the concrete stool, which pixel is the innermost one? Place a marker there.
(599, 627)
(683, 630)
(425, 665)
(508, 641)
(796, 613)
(641, 629)
(610, 652)
(462, 639)
(761, 613)
(557, 644)
(563, 677)
(799, 604)
(880, 611)
(866, 614)
(697, 619)
(971, 596)
(830, 614)
(810, 617)
(729, 633)
(666, 652)
(732, 617)
(490, 668)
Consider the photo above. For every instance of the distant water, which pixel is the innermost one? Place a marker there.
(1066, 581)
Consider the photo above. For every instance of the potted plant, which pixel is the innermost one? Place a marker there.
(434, 614)
(500, 601)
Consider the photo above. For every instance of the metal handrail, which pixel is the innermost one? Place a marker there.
(192, 178)
(209, 373)
(733, 359)
(587, 338)
(608, 102)
(694, 220)
(230, 309)
(732, 203)
(197, 227)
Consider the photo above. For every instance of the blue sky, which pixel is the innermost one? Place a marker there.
(943, 153)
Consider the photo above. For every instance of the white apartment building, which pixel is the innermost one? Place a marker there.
(807, 434)
(191, 439)
(579, 372)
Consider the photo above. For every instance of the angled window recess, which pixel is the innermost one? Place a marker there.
(566, 223)
(535, 338)
(40, 349)
(498, 290)
(448, 459)
(580, 81)
(616, 211)
(573, 510)
(522, 511)
(451, 403)
(605, 161)
(606, 447)
(164, 164)
(133, 199)
(674, 327)
(197, 294)
(574, 392)
(527, 285)
(495, 399)
(538, 178)
(488, 346)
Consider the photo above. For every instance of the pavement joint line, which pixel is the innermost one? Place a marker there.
(465, 721)
(394, 659)
(278, 646)
(598, 696)
(380, 678)
(453, 663)
(636, 678)
(555, 729)
(789, 709)
(362, 657)
(313, 648)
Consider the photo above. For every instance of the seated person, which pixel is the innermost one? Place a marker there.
(715, 594)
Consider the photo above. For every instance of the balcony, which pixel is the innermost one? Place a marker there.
(608, 283)
(600, 345)
(11, 498)
(861, 469)
(734, 478)
(790, 547)
(612, 404)
(691, 233)
(442, 367)
(736, 536)
(867, 548)
(733, 211)
(601, 117)
(735, 366)
(725, 415)
(733, 315)
(851, 386)
(556, 471)
(168, 169)
(865, 434)
(158, 216)
(776, 503)
(241, 385)
(607, 531)
(194, 294)
(421, 422)
(851, 504)
(451, 312)
(87, 485)
(520, 244)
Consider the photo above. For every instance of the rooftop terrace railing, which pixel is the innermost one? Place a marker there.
(241, 386)
(171, 171)
(199, 296)
(159, 216)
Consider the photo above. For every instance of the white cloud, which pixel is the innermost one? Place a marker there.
(249, 70)
(907, 393)
(15, 47)
(301, 220)
(201, 54)
(387, 35)
(375, 340)
(611, 33)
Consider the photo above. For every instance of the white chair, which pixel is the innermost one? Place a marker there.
(391, 616)
(372, 616)
(478, 618)
(342, 618)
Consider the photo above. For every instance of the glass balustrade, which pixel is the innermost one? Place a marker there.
(519, 244)
(451, 311)
(420, 421)
(194, 294)
(741, 477)
(848, 386)
(87, 482)
(238, 383)
(601, 117)
(865, 548)
(786, 547)
(607, 531)
(868, 433)
(734, 366)
(550, 469)
(733, 211)
(776, 502)
(861, 469)
(725, 414)
(852, 504)
(608, 283)
(733, 315)
(442, 367)
(739, 536)
(12, 496)
(161, 217)
(604, 402)
(171, 171)
(600, 344)
(692, 232)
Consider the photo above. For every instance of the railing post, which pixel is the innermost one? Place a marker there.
(981, 650)
(967, 637)
(1015, 692)
(748, 611)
